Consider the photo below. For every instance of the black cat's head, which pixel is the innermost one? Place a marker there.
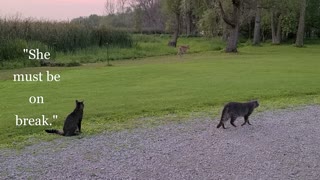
(256, 104)
(79, 104)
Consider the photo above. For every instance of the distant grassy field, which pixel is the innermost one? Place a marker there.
(117, 97)
(144, 46)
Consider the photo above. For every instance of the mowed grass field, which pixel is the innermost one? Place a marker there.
(134, 92)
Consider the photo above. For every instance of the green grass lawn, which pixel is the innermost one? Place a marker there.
(117, 97)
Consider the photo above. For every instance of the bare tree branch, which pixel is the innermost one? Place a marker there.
(109, 7)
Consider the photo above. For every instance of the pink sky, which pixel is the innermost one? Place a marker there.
(51, 9)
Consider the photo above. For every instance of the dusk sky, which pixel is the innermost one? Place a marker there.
(51, 9)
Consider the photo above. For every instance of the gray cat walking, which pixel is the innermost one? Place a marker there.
(233, 110)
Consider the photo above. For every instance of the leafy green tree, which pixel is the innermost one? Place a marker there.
(282, 18)
(210, 24)
(313, 18)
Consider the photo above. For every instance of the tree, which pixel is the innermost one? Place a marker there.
(275, 26)
(122, 6)
(109, 7)
(300, 32)
(210, 23)
(173, 7)
(150, 13)
(138, 13)
(282, 19)
(204, 17)
(187, 8)
(257, 24)
(234, 24)
(313, 19)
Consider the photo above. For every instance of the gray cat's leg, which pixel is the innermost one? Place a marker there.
(223, 126)
(232, 121)
(246, 120)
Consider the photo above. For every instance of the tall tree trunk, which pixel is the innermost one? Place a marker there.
(234, 23)
(278, 37)
(257, 26)
(276, 31)
(273, 29)
(189, 23)
(173, 41)
(234, 36)
(233, 40)
(249, 30)
(300, 32)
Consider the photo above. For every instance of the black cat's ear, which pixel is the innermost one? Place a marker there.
(77, 101)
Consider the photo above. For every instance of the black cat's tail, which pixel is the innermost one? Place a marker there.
(54, 131)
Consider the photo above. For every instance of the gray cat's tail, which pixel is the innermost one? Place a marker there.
(224, 112)
(54, 131)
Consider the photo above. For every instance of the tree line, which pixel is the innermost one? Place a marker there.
(257, 20)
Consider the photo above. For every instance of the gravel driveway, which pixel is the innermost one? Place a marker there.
(281, 144)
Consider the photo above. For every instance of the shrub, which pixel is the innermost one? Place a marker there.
(12, 49)
(104, 37)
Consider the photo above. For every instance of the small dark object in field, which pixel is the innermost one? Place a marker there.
(172, 43)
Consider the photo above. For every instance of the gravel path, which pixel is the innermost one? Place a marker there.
(282, 144)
